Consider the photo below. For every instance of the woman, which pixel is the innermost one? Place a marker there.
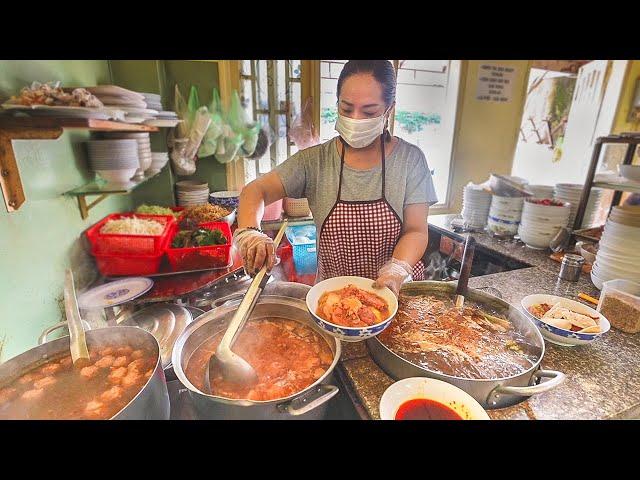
(369, 192)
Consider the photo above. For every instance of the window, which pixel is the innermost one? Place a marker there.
(426, 104)
(271, 94)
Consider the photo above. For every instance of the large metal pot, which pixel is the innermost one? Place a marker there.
(151, 403)
(307, 404)
(490, 393)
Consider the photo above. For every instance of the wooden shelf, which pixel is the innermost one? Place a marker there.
(43, 128)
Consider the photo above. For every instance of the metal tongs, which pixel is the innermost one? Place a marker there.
(233, 367)
(77, 340)
(465, 271)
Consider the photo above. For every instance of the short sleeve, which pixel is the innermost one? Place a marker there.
(293, 175)
(420, 187)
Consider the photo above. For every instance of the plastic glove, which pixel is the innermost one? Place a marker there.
(255, 248)
(393, 274)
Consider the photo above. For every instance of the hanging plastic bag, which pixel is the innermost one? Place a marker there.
(215, 130)
(228, 145)
(180, 107)
(263, 142)
(199, 127)
(241, 125)
(302, 129)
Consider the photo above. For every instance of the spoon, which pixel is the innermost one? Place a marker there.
(77, 340)
(233, 367)
(465, 270)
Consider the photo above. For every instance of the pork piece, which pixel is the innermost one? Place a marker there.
(131, 379)
(30, 377)
(89, 372)
(106, 361)
(50, 368)
(94, 355)
(117, 374)
(7, 394)
(371, 300)
(112, 394)
(318, 372)
(137, 354)
(125, 350)
(32, 394)
(44, 382)
(95, 409)
(148, 374)
(326, 357)
(107, 351)
(121, 362)
(367, 316)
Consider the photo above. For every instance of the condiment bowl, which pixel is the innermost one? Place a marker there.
(430, 389)
(560, 336)
(350, 334)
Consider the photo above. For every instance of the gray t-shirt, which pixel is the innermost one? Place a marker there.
(314, 174)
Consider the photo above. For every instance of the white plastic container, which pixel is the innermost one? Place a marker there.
(622, 307)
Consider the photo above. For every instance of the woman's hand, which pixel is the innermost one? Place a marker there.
(256, 250)
(393, 275)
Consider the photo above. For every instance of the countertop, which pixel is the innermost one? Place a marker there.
(600, 381)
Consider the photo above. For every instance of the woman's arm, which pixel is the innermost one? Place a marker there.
(262, 191)
(415, 234)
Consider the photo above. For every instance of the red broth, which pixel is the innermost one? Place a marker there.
(425, 409)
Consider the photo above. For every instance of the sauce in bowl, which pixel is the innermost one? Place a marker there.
(425, 409)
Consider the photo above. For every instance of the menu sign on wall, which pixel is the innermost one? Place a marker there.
(495, 83)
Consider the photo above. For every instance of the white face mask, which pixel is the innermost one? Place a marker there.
(360, 133)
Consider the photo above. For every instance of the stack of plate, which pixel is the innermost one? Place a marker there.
(541, 191)
(571, 192)
(475, 206)
(192, 192)
(164, 119)
(153, 101)
(618, 256)
(114, 160)
(144, 147)
(540, 222)
(158, 161)
(504, 215)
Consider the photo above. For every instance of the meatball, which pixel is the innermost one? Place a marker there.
(148, 374)
(30, 377)
(112, 394)
(106, 361)
(137, 365)
(95, 409)
(7, 394)
(125, 350)
(94, 355)
(50, 368)
(137, 354)
(66, 362)
(44, 382)
(117, 375)
(107, 351)
(131, 379)
(89, 372)
(32, 394)
(120, 362)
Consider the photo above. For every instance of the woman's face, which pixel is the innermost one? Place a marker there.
(361, 97)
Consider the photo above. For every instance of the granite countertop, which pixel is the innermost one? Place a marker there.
(599, 381)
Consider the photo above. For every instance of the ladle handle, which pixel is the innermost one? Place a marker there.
(250, 299)
(467, 261)
(77, 340)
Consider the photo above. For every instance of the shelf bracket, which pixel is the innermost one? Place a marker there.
(84, 207)
(10, 181)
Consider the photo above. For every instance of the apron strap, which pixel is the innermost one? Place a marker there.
(384, 170)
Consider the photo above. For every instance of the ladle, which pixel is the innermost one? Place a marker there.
(465, 271)
(77, 340)
(232, 366)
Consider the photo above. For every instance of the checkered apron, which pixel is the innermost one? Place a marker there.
(358, 237)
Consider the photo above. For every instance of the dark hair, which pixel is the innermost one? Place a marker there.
(382, 71)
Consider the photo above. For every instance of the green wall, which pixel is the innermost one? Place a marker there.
(43, 238)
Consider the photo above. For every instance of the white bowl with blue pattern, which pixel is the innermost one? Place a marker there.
(350, 334)
(560, 336)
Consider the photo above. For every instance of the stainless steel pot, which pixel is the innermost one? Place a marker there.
(151, 403)
(307, 404)
(490, 393)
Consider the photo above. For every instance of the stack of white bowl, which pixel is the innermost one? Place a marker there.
(540, 223)
(571, 192)
(475, 206)
(192, 192)
(504, 215)
(144, 147)
(618, 256)
(541, 191)
(158, 161)
(114, 160)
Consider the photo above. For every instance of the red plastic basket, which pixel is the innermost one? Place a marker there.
(111, 243)
(195, 258)
(115, 265)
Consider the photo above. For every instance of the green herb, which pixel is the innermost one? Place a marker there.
(155, 210)
(200, 237)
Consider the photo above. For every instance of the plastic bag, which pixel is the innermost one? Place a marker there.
(228, 145)
(180, 107)
(199, 127)
(302, 130)
(240, 124)
(215, 130)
